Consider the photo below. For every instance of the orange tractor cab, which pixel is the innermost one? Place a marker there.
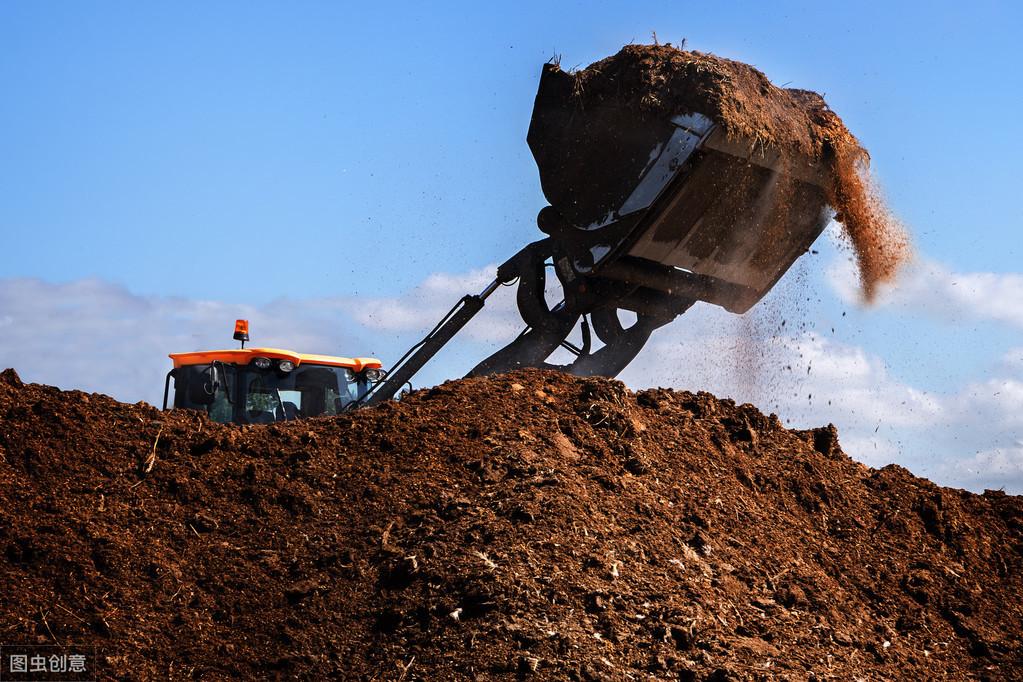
(266, 385)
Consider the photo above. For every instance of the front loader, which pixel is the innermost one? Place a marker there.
(648, 214)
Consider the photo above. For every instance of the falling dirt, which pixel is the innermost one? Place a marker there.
(879, 241)
(522, 526)
(663, 80)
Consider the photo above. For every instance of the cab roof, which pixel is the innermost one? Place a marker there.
(243, 356)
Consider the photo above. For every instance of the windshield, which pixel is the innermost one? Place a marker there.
(307, 391)
(249, 395)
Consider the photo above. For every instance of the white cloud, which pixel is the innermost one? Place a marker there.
(869, 448)
(423, 307)
(1013, 360)
(993, 469)
(928, 287)
(806, 378)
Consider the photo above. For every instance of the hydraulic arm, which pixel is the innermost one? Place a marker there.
(422, 352)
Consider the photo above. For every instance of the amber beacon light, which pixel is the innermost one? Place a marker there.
(241, 331)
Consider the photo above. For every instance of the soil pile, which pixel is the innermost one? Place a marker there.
(524, 525)
(663, 80)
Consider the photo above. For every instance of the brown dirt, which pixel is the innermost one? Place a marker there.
(531, 524)
(662, 79)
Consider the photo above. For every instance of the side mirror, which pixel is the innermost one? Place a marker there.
(166, 386)
(202, 386)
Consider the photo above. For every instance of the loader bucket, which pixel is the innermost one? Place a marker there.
(670, 203)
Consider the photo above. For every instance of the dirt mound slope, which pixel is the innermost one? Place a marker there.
(524, 525)
(663, 80)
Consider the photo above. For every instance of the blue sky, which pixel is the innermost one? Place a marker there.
(330, 169)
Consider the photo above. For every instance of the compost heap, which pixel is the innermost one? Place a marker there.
(660, 81)
(530, 524)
